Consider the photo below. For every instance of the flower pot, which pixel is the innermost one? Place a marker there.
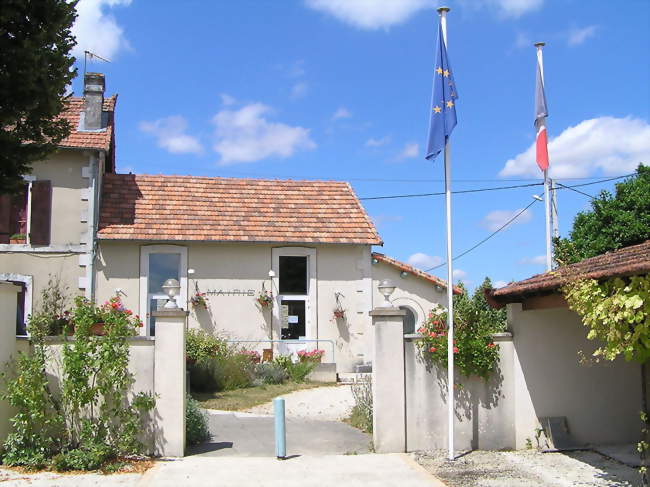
(98, 329)
(267, 355)
(17, 240)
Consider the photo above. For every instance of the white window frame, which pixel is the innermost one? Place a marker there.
(28, 281)
(181, 299)
(311, 298)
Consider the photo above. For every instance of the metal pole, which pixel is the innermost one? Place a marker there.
(555, 218)
(280, 429)
(450, 284)
(547, 198)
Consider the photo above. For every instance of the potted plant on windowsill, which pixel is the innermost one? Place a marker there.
(314, 356)
(18, 238)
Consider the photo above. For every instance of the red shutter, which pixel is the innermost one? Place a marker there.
(41, 213)
(5, 218)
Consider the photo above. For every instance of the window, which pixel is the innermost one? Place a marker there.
(159, 263)
(23, 299)
(293, 275)
(27, 213)
(409, 320)
(295, 316)
(295, 313)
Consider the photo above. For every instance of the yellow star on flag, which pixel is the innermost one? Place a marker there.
(450, 104)
(439, 70)
(446, 73)
(437, 109)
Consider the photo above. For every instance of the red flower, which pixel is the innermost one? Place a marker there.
(455, 349)
(421, 329)
(436, 322)
(128, 312)
(432, 349)
(491, 345)
(433, 334)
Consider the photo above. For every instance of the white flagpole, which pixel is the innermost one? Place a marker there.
(547, 196)
(450, 285)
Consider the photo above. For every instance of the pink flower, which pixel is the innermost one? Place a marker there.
(432, 349)
(455, 349)
(433, 334)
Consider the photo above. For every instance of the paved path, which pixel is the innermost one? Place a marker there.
(250, 435)
(332, 403)
(306, 471)
(394, 470)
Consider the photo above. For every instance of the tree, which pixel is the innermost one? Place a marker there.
(35, 69)
(613, 222)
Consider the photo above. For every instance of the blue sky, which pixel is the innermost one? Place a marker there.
(340, 89)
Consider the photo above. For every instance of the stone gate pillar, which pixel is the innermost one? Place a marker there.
(169, 382)
(388, 394)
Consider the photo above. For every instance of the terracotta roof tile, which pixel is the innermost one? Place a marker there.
(412, 270)
(100, 140)
(627, 261)
(143, 207)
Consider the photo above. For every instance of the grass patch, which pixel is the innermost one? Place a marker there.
(249, 397)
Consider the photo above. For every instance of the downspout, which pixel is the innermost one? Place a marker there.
(97, 161)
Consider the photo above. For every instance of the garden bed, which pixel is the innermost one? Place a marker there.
(239, 399)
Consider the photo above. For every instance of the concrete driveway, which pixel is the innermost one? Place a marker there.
(394, 470)
(252, 435)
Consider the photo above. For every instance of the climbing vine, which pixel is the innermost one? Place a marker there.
(475, 353)
(616, 312)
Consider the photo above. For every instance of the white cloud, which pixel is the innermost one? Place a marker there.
(227, 100)
(245, 135)
(299, 90)
(611, 145)
(171, 136)
(410, 150)
(424, 261)
(497, 218)
(96, 30)
(370, 14)
(459, 275)
(341, 112)
(537, 260)
(380, 220)
(498, 284)
(578, 35)
(372, 142)
(505, 8)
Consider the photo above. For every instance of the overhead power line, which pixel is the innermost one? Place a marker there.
(480, 190)
(521, 212)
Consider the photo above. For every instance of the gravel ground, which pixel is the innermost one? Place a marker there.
(529, 468)
(321, 403)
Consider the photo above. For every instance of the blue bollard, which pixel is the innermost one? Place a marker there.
(280, 429)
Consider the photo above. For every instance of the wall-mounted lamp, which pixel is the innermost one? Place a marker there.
(271, 273)
(171, 287)
(386, 288)
(190, 271)
(375, 260)
(403, 274)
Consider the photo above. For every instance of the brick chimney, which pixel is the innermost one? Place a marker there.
(93, 101)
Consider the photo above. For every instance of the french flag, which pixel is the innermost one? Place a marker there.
(541, 112)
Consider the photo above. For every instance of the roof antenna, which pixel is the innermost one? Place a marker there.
(90, 55)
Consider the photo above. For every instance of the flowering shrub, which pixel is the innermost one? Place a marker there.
(253, 355)
(199, 300)
(265, 299)
(474, 323)
(91, 420)
(311, 356)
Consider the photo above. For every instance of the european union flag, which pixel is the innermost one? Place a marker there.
(443, 104)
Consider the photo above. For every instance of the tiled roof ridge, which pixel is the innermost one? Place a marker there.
(626, 261)
(230, 178)
(412, 270)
